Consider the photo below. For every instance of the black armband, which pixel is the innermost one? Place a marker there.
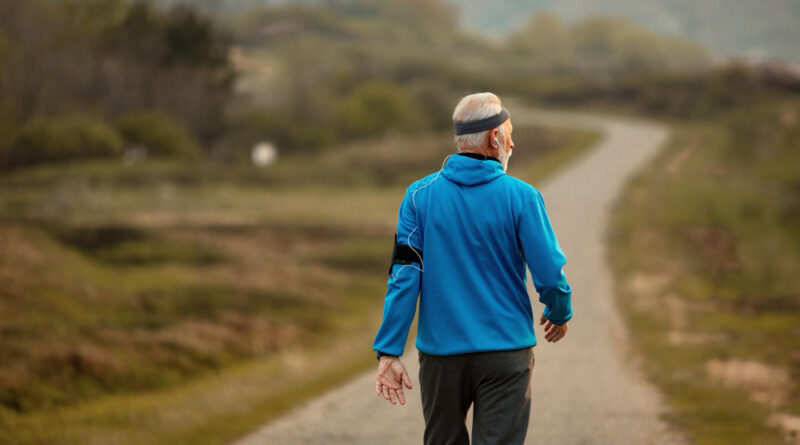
(404, 254)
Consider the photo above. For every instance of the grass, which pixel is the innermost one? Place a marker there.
(210, 409)
(164, 302)
(706, 253)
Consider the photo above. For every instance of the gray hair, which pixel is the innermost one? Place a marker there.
(473, 107)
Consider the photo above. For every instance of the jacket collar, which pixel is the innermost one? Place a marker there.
(472, 169)
(472, 155)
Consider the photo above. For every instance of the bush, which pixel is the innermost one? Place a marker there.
(159, 133)
(60, 139)
(435, 101)
(7, 133)
(377, 106)
(250, 125)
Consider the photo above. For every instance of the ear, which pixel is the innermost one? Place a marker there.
(493, 133)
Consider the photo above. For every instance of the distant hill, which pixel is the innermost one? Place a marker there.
(758, 29)
(226, 7)
(755, 29)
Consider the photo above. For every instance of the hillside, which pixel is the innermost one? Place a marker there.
(734, 27)
(766, 29)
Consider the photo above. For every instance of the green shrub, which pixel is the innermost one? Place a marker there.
(377, 106)
(159, 133)
(60, 139)
(291, 135)
(434, 100)
(7, 133)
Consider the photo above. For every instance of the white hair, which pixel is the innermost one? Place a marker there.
(473, 107)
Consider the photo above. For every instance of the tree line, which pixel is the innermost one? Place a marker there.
(79, 69)
(86, 78)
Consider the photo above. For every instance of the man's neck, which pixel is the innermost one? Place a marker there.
(476, 155)
(477, 151)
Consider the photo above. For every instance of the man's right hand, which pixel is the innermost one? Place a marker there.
(391, 377)
(553, 332)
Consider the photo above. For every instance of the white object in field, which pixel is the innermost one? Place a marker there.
(134, 154)
(264, 154)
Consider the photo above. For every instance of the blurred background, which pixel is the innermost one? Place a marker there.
(198, 198)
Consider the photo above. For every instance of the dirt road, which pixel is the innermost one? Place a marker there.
(585, 388)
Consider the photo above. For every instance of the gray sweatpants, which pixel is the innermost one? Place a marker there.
(496, 382)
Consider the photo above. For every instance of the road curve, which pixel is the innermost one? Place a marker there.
(586, 390)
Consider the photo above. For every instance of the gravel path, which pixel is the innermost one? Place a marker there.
(585, 388)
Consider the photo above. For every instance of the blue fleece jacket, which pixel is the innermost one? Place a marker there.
(476, 228)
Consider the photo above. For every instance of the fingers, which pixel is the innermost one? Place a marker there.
(390, 394)
(553, 334)
(400, 396)
(389, 382)
(406, 380)
(385, 390)
(556, 334)
(385, 376)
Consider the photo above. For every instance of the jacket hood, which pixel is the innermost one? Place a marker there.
(465, 170)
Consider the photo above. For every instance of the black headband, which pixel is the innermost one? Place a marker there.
(481, 125)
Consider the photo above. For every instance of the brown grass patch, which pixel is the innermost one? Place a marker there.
(789, 425)
(770, 385)
(716, 244)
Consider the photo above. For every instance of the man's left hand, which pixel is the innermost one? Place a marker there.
(553, 332)
(390, 379)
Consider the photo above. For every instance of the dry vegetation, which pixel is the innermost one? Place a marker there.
(706, 254)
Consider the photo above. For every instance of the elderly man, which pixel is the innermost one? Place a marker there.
(464, 236)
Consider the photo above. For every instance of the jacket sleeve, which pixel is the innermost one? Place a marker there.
(400, 302)
(545, 259)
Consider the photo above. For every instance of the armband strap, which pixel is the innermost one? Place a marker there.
(404, 254)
